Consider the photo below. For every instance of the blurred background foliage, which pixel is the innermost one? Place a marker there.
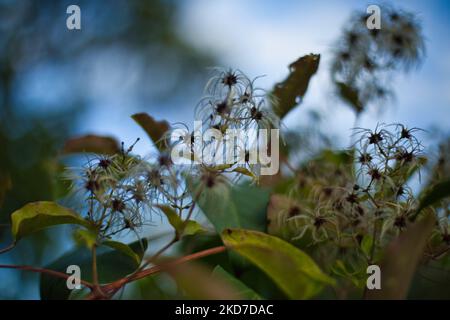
(37, 49)
(131, 56)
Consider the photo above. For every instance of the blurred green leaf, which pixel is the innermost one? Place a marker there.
(244, 171)
(292, 269)
(337, 157)
(366, 245)
(357, 277)
(244, 291)
(124, 248)
(93, 144)
(293, 88)
(233, 207)
(154, 129)
(350, 95)
(111, 264)
(39, 215)
(196, 282)
(84, 237)
(431, 280)
(438, 192)
(401, 258)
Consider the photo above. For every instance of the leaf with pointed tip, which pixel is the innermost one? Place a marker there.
(438, 192)
(290, 268)
(244, 171)
(154, 129)
(196, 282)
(122, 247)
(241, 206)
(84, 237)
(182, 228)
(92, 144)
(5, 185)
(243, 290)
(294, 87)
(401, 258)
(39, 215)
(350, 95)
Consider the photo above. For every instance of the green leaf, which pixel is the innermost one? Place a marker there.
(111, 264)
(357, 277)
(220, 167)
(238, 285)
(293, 88)
(36, 216)
(154, 129)
(366, 245)
(92, 143)
(192, 227)
(290, 268)
(85, 237)
(182, 228)
(350, 95)
(438, 192)
(124, 248)
(233, 207)
(195, 281)
(5, 185)
(401, 258)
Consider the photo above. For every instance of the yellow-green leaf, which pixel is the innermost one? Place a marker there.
(39, 215)
(220, 167)
(438, 192)
(241, 206)
(291, 269)
(243, 290)
(122, 247)
(182, 228)
(192, 227)
(244, 171)
(195, 281)
(85, 237)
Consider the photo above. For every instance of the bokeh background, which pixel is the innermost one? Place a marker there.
(154, 56)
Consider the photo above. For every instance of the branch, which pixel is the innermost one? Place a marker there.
(10, 247)
(116, 285)
(45, 271)
(177, 236)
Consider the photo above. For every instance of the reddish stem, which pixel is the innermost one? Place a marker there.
(115, 286)
(46, 271)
